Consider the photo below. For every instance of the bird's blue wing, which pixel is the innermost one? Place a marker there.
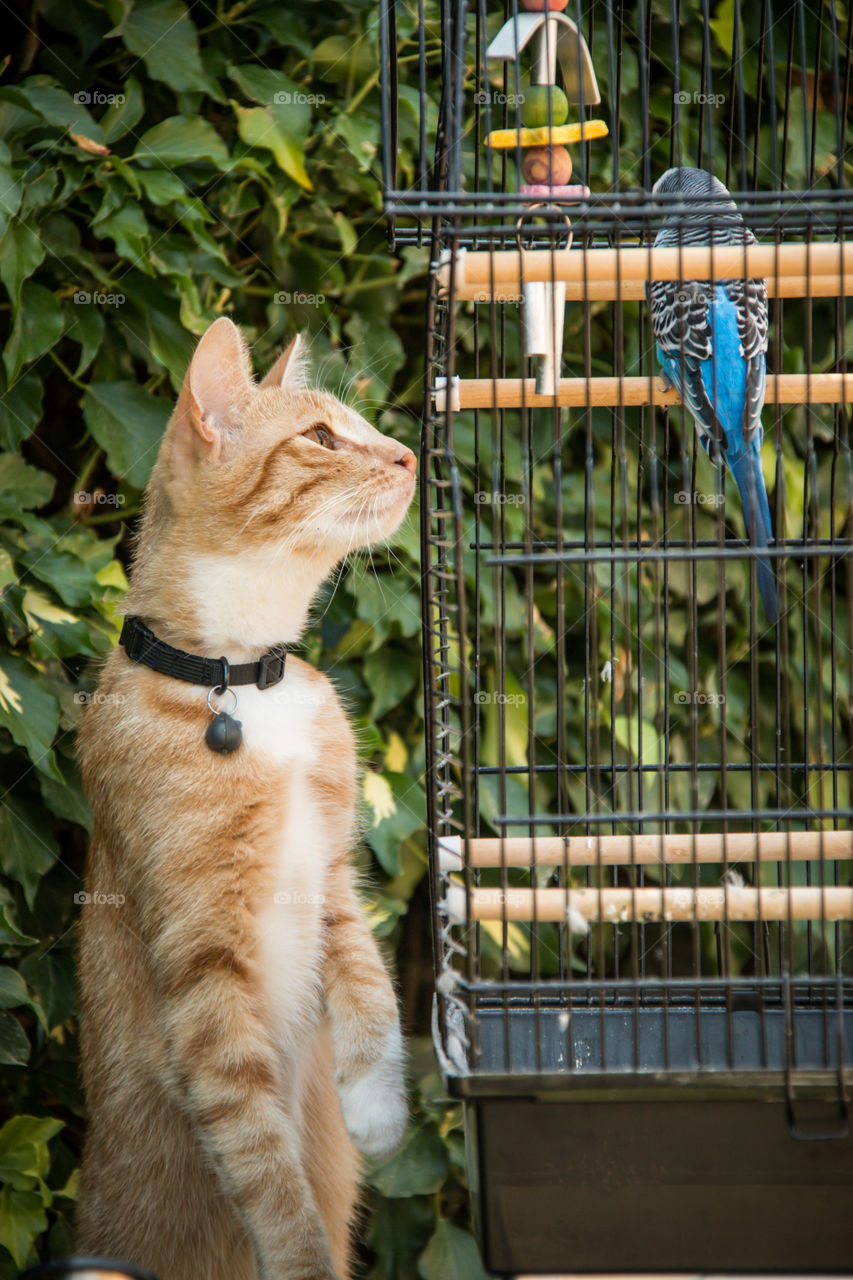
(681, 321)
(749, 298)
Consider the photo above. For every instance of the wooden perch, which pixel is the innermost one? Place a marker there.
(817, 270)
(649, 904)
(823, 286)
(515, 393)
(609, 851)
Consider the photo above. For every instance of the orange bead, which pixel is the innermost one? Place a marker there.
(551, 166)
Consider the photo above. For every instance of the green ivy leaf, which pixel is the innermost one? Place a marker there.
(121, 117)
(389, 680)
(31, 714)
(625, 732)
(418, 1168)
(38, 326)
(23, 1142)
(11, 188)
(71, 578)
(128, 230)
(28, 849)
(22, 1218)
(54, 104)
(182, 140)
(128, 423)
(84, 324)
(14, 994)
(38, 190)
(451, 1254)
(380, 352)
(10, 934)
(397, 1230)
(385, 601)
(66, 798)
(21, 251)
(162, 34)
(58, 633)
(14, 1052)
(397, 812)
(20, 409)
(52, 977)
(361, 139)
(260, 127)
(22, 487)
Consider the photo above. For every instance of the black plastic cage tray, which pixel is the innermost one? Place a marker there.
(695, 1132)
(602, 1181)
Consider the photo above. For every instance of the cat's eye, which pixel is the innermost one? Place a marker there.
(320, 434)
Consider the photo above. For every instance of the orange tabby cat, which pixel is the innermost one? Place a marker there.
(240, 1036)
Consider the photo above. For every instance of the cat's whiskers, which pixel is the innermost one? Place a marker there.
(349, 551)
(281, 549)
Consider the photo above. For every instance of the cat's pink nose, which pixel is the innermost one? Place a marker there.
(408, 460)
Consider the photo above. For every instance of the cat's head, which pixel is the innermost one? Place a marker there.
(275, 464)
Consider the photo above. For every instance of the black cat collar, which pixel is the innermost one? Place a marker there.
(217, 674)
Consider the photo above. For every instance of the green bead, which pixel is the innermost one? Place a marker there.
(535, 108)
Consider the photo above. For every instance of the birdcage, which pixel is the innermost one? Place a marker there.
(638, 753)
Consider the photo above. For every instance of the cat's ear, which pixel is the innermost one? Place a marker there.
(290, 370)
(217, 385)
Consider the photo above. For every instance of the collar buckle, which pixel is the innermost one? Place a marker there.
(134, 639)
(271, 668)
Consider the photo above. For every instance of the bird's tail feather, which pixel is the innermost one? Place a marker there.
(749, 478)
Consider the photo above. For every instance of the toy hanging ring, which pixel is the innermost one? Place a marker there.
(553, 209)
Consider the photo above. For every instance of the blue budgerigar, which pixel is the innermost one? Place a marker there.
(712, 343)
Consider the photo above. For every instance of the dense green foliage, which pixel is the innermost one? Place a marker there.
(158, 169)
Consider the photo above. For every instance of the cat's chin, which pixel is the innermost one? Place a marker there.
(375, 520)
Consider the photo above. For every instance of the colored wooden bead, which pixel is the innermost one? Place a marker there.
(551, 166)
(583, 131)
(539, 6)
(544, 105)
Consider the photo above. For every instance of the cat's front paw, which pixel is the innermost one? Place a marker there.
(374, 1103)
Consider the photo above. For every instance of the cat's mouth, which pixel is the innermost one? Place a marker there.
(380, 514)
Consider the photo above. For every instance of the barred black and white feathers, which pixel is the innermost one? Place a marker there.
(711, 340)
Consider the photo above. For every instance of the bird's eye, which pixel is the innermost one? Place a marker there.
(321, 435)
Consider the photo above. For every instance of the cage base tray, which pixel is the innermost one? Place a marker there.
(749, 1037)
(640, 1186)
(659, 1140)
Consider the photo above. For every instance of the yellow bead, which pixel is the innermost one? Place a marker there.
(585, 131)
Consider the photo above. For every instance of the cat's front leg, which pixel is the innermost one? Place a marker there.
(231, 1085)
(369, 1052)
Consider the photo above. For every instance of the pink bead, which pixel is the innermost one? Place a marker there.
(549, 166)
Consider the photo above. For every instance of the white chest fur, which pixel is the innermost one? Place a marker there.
(280, 723)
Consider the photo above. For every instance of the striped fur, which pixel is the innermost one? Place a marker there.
(239, 1031)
